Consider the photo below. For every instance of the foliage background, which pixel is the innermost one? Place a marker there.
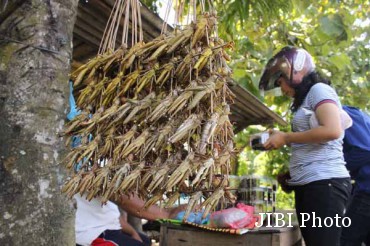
(336, 33)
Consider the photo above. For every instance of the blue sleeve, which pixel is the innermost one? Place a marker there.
(358, 134)
(73, 110)
(356, 158)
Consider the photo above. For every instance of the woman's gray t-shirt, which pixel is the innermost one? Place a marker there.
(311, 162)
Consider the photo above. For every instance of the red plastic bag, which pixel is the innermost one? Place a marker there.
(239, 217)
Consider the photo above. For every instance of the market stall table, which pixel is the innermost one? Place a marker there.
(190, 236)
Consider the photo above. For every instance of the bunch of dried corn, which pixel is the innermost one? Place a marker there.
(155, 119)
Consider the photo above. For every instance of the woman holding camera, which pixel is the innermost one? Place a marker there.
(318, 174)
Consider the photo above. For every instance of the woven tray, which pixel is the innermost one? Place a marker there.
(223, 230)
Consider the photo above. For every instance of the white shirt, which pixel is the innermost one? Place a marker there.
(92, 218)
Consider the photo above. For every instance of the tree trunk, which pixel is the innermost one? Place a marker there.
(35, 55)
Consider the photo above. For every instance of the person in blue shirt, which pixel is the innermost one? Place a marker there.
(356, 149)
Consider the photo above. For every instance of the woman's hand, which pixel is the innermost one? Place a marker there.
(276, 140)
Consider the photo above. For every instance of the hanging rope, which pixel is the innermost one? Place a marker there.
(179, 11)
(166, 15)
(131, 11)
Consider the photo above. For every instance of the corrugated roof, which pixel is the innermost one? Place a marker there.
(92, 17)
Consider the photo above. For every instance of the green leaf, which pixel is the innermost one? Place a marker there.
(341, 61)
(332, 26)
(239, 73)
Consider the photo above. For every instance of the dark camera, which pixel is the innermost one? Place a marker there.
(258, 140)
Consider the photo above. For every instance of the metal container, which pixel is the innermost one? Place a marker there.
(249, 181)
(258, 191)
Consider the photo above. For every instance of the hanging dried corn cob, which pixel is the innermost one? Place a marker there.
(157, 114)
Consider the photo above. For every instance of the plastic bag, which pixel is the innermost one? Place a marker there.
(239, 217)
(195, 217)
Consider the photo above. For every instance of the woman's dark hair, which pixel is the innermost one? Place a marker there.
(304, 87)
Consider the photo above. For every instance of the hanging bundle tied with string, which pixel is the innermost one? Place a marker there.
(155, 116)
